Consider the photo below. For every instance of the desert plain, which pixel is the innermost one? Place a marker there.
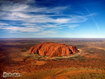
(88, 63)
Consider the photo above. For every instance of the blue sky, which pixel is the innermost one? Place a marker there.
(52, 18)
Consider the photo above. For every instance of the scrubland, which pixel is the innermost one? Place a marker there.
(89, 63)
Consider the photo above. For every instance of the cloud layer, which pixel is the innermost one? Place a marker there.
(23, 17)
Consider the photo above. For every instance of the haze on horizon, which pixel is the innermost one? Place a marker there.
(52, 18)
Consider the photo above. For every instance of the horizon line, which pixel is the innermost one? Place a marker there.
(54, 38)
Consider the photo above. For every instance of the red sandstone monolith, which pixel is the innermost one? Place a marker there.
(53, 49)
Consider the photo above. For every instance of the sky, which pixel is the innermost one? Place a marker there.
(52, 18)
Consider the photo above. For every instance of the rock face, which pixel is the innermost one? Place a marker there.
(53, 49)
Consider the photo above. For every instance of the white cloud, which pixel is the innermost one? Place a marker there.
(10, 16)
(47, 33)
(50, 25)
(39, 22)
(57, 10)
(46, 19)
(41, 18)
(29, 27)
(28, 24)
(3, 24)
(73, 25)
(62, 20)
(77, 19)
(15, 7)
(20, 12)
(21, 29)
(21, 15)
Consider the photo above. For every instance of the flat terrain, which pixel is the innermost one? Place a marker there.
(89, 63)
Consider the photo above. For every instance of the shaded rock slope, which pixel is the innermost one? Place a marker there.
(53, 49)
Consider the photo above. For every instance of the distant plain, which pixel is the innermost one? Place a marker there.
(89, 63)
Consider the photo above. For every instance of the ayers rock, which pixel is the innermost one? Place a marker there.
(53, 49)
